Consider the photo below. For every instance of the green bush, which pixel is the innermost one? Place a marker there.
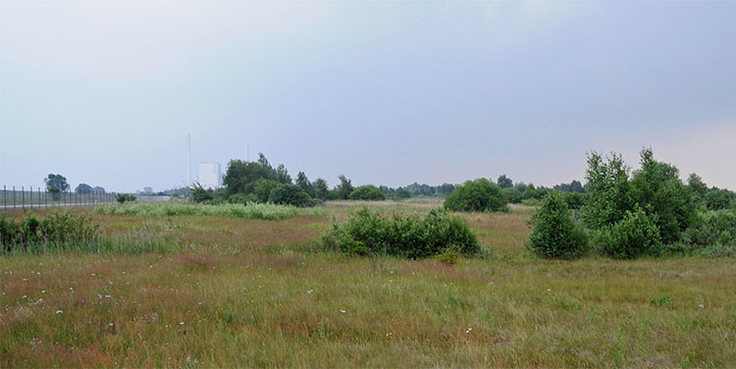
(478, 195)
(54, 231)
(512, 195)
(289, 194)
(710, 228)
(372, 233)
(556, 234)
(238, 198)
(634, 235)
(122, 198)
(367, 192)
(716, 199)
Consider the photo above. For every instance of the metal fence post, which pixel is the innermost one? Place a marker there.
(13, 197)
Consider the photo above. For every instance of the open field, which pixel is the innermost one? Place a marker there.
(250, 292)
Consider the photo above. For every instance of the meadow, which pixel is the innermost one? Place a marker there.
(229, 290)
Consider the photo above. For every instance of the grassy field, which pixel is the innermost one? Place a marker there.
(249, 292)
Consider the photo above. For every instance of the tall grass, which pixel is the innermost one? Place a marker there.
(249, 211)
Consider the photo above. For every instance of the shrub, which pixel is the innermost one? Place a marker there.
(657, 188)
(368, 232)
(367, 192)
(122, 198)
(710, 228)
(478, 195)
(289, 194)
(634, 235)
(56, 230)
(512, 195)
(556, 234)
(238, 198)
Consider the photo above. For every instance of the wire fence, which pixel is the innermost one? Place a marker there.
(38, 197)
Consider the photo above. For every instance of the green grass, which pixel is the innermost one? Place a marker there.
(253, 292)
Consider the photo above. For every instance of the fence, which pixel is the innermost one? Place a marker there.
(21, 198)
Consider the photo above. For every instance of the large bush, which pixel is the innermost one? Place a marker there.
(367, 192)
(711, 228)
(556, 234)
(609, 191)
(56, 230)
(289, 194)
(372, 233)
(634, 235)
(657, 189)
(478, 195)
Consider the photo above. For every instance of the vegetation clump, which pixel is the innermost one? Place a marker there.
(249, 211)
(367, 193)
(373, 233)
(635, 235)
(477, 195)
(57, 230)
(556, 234)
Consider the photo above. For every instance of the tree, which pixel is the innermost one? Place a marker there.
(288, 194)
(716, 199)
(282, 175)
(367, 192)
(504, 182)
(556, 234)
(344, 188)
(56, 181)
(609, 190)
(512, 195)
(697, 185)
(241, 176)
(83, 189)
(321, 191)
(303, 182)
(657, 189)
(478, 195)
(200, 194)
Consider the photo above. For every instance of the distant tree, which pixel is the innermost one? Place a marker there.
(200, 194)
(520, 186)
(574, 186)
(478, 195)
(57, 181)
(512, 195)
(367, 192)
(83, 189)
(303, 182)
(717, 199)
(698, 187)
(321, 191)
(344, 188)
(504, 182)
(241, 176)
(262, 189)
(288, 194)
(98, 190)
(122, 198)
(282, 175)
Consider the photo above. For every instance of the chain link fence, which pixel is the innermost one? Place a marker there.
(29, 197)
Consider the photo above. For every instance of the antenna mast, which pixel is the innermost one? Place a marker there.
(189, 159)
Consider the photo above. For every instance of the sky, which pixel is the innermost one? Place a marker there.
(384, 92)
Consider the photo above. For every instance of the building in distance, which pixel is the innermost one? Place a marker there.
(210, 175)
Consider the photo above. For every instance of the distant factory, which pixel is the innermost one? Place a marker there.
(210, 175)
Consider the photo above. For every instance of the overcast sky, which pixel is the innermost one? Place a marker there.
(105, 92)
